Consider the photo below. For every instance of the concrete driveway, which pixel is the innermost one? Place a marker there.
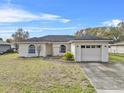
(107, 77)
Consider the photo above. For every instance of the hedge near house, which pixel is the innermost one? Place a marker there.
(68, 56)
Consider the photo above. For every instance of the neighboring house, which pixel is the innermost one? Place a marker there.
(117, 47)
(13, 47)
(86, 48)
(4, 47)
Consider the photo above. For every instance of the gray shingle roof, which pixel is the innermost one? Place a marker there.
(53, 38)
(63, 38)
(90, 37)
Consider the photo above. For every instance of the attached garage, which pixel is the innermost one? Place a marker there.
(91, 52)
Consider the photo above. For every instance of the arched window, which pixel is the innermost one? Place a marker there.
(62, 48)
(31, 49)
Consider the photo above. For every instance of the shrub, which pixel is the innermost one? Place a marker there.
(8, 51)
(68, 56)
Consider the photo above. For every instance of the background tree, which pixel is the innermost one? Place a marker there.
(20, 35)
(121, 30)
(115, 33)
(9, 40)
(1, 39)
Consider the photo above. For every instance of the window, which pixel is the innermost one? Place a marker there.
(98, 46)
(93, 46)
(31, 49)
(88, 46)
(62, 48)
(83, 46)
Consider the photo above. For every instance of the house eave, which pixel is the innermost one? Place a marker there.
(78, 41)
(39, 42)
(71, 41)
(117, 45)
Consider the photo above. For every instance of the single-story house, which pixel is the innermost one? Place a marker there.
(117, 47)
(85, 48)
(4, 46)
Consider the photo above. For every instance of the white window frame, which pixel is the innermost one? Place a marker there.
(62, 48)
(31, 49)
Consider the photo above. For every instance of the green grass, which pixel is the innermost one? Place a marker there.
(34, 75)
(116, 57)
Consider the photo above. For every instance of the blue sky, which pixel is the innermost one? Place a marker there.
(47, 17)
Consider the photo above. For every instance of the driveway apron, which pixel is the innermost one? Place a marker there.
(106, 77)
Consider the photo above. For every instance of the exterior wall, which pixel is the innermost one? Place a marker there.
(23, 50)
(116, 49)
(56, 48)
(77, 52)
(73, 50)
(49, 49)
(104, 53)
(46, 49)
(4, 48)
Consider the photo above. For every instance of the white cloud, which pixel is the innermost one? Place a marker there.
(12, 30)
(9, 15)
(64, 20)
(35, 29)
(113, 22)
(7, 32)
(15, 15)
(59, 28)
(49, 16)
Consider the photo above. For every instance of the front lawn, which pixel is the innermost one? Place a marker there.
(34, 75)
(116, 57)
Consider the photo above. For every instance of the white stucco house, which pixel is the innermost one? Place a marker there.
(117, 47)
(85, 48)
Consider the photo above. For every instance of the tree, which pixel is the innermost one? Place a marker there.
(20, 35)
(78, 34)
(121, 30)
(9, 40)
(115, 34)
(1, 39)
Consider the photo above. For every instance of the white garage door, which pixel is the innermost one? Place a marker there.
(90, 52)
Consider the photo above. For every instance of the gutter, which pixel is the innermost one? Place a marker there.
(40, 42)
(73, 41)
